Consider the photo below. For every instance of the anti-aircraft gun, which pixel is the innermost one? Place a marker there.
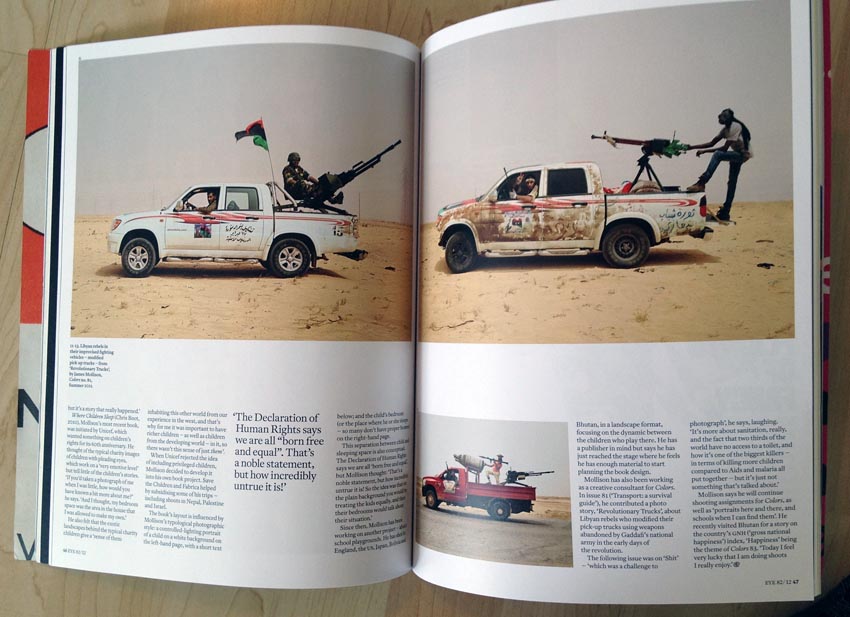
(327, 190)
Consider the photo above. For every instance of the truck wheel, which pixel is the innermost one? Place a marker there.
(499, 509)
(289, 257)
(625, 246)
(431, 499)
(460, 252)
(138, 257)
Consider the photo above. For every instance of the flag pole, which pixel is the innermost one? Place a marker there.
(251, 130)
(274, 186)
(271, 165)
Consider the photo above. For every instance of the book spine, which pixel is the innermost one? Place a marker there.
(826, 203)
(33, 413)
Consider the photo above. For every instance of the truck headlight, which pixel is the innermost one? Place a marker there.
(115, 224)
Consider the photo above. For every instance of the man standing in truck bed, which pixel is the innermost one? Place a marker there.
(494, 470)
(735, 149)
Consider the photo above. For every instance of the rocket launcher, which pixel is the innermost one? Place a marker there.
(475, 464)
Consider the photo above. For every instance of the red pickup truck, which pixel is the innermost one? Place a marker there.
(454, 488)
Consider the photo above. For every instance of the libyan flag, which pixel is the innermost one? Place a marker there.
(257, 131)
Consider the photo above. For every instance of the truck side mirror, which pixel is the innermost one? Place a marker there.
(491, 198)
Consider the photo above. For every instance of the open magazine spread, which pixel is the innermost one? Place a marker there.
(533, 312)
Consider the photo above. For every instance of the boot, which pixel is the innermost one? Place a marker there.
(696, 187)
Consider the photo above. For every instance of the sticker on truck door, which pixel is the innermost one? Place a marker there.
(517, 222)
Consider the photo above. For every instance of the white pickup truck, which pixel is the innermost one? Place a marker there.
(568, 213)
(234, 221)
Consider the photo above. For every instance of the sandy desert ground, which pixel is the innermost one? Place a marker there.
(738, 285)
(540, 538)
(341, 300)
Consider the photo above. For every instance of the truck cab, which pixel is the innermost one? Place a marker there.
(451, 485)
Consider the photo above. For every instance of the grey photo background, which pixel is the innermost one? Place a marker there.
(535, 94)
(528, 446)
(151, 125)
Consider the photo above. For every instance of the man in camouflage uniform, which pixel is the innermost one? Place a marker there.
(296, 180)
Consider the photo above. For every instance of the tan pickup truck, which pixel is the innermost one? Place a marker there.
(567, 212)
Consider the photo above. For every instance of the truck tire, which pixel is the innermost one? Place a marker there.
(289, 257)
(625, 246)
(460, 252)
(431, 499)
(138, 257)
(499, 509)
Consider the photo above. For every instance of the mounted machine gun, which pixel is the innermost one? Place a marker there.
(327, 189)
(659, 147)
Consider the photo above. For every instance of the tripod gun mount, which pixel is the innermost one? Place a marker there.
(658, 147)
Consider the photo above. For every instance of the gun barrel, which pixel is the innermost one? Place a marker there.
(362, 167)
(491, 459)
(621, 140)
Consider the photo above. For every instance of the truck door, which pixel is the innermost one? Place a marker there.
(193, 229)
(515, 217)
(453, 486)
(241, 219)
(568, 212)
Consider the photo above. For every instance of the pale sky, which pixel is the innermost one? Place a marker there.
(151, 125)
(527, 446)
(535, 94)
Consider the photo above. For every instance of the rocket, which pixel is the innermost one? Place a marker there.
(473, 463)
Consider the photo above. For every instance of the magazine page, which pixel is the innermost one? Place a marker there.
(223, 356)
(616, 398)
